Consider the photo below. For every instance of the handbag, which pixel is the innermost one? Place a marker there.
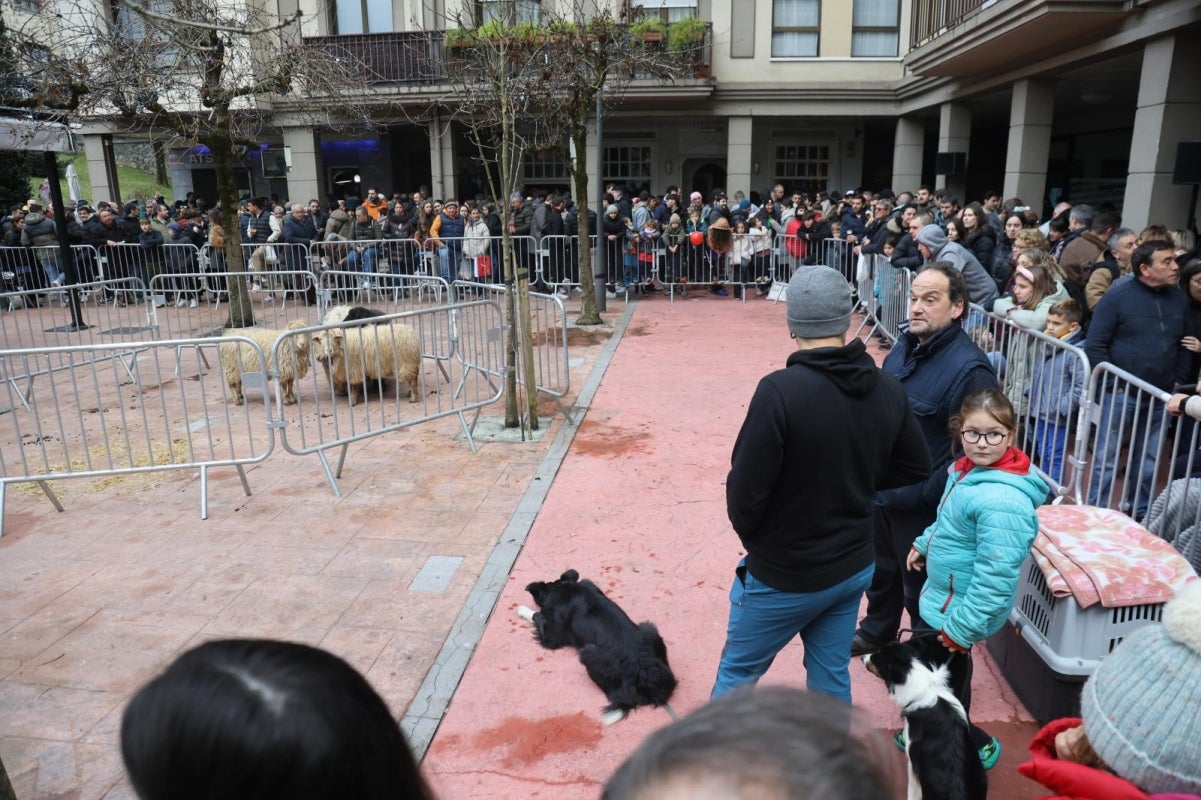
(483, 266)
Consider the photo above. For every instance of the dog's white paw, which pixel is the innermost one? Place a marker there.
(612, 717)
(526, 613)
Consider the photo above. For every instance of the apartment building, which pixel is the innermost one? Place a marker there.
(1042, 99)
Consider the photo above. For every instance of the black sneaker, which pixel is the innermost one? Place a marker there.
(861, 645)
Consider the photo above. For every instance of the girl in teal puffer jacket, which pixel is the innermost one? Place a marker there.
(974, 551)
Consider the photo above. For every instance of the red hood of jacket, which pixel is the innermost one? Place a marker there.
(1014, 461)
(1068, 780)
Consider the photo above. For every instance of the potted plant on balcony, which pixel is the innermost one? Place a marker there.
(648, 29)
(459, 39)
(561, 30)
(684, 39)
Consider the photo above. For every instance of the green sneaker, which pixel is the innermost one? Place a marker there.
(990, 754)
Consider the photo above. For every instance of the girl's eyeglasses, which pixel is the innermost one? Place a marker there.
(991, 437)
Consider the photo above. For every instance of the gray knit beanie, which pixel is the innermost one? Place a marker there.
(819, 303)
(933, 237)
(1142, 707)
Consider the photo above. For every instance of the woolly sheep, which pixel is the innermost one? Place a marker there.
(239, 357)
(338, 314)
(360, 353)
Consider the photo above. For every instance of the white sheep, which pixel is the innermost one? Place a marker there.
(337, 314)
(356, 354)
(239, 357)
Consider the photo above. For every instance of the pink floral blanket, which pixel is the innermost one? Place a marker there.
(1098, 555)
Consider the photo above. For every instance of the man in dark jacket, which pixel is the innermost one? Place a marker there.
(521, 217)
(1137, 327)
(906, 254)
(805, 519)
(939, 365)
(39, 233)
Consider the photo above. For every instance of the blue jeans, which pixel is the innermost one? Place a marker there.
(1118, 411)
(1049, 440)
(763, 620)
(368, 257)
(449, 270)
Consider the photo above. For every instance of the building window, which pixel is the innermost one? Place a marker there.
(803, 167)
(510, 12)
(666, 10)
(795, 28)
(363, 16)
(545, 167)
(629, 165)
(876, 29)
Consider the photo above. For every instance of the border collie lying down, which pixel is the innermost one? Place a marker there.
(943, 762)
(627, 661)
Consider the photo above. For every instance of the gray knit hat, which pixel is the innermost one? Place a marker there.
(933, 237)
(819, 303)
(1142, 707)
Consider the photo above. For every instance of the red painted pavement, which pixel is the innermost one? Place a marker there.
(638, 506)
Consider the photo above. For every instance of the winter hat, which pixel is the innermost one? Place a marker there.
(1142, 706)
(933, 237)
(516, 196)
(819, 303)
(612, 209)
(692, 198)
(674, 219)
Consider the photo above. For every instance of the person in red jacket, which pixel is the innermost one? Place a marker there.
(1139, 737)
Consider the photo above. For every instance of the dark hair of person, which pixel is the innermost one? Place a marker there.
(1104, 221)
(253, 718)
(1061, 223)
(956, 283)
(992, 402)
(760, 742)
(1145, 253)
(1070, 310)
(960, 229)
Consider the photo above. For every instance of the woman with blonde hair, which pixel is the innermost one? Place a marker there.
(1035, 290)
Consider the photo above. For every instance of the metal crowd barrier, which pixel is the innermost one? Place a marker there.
(395, 292)
(40, 319)
(1047, 380)
(889, 294)
(1126, 447)
(548, 329)
(197, 304)
(354, 390)
(103, 414)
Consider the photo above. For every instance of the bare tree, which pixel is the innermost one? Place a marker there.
(205, 72)
(520, 87)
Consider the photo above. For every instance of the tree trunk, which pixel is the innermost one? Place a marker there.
(241, 314)
(161, 176)
(589, 314)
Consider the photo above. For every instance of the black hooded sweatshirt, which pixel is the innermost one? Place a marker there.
(820, 437)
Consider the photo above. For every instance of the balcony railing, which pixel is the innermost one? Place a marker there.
(419, 57)
(409, 57)
(932, 17)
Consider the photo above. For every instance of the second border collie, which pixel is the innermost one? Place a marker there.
(943, 762)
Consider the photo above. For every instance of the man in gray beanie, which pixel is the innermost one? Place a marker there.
(820, 437)
(933, 244)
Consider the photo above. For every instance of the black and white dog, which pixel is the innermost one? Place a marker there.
(627, 661)
(943, 762)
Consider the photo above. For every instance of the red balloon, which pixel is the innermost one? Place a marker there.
(697, 238)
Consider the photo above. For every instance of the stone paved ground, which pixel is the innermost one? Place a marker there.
(97, 599)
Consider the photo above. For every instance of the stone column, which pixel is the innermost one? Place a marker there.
(1030, 113)
(738, 155)
(1169, 105)
(954, 136)
(907, 155)
(442, 158)
(304, 178)
(98, 150)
